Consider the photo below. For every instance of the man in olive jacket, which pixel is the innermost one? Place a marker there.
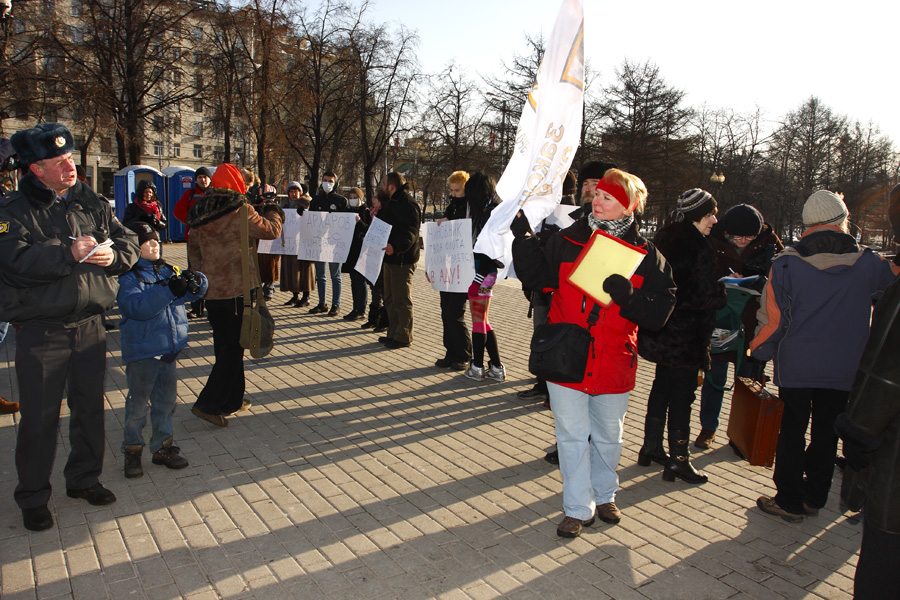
(870, 429)
(400, 257)
(61, 250)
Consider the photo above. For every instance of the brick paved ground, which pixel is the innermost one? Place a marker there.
(363, 472)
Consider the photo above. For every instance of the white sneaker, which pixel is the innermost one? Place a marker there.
(473, 372)
(496, 373)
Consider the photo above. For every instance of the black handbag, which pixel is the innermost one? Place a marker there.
(559, 351)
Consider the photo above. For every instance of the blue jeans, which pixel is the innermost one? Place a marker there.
(710, 397)
(588, 466)
(334, 269)
(149, 381)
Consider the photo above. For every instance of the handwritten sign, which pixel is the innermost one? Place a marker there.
(326, 237)
(289, 242)
(448, 255)
(371, 255)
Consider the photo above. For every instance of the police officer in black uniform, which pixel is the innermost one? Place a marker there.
(61, 250)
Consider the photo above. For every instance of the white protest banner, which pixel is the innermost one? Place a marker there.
(326, 237)
(372, 253)
(548, 135)
(289, 241)
(560, 216)
(448, 255)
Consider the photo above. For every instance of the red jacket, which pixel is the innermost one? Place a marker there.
(612, 364)
(184, 204)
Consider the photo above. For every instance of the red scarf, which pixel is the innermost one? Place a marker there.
(151, 208)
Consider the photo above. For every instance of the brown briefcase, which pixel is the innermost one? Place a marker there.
(754, 422)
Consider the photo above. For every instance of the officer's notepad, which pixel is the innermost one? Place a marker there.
(602, 256)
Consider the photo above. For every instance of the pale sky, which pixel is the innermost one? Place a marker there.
(774, 54)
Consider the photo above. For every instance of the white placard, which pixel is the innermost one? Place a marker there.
(326, 237)
(371, 255)
(448, 255)
(289, 242)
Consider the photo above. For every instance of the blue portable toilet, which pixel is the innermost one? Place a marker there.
(179, 179)
(125, 184)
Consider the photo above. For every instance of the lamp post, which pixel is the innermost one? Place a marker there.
(496, 97)
(717, 178)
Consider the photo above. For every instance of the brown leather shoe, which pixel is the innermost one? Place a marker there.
(218, 420)
(570, 527)
(7, 407)
(705, 439)
(609, 513)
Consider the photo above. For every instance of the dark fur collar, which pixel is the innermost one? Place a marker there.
(38, 194)
(216, 203)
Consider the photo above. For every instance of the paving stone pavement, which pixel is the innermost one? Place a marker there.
(364, 472)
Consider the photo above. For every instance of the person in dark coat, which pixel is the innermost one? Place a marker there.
(359, 288)
(681, 348)
(870, 428)
(456, 338)
(61, 250)
(146, 207)
(744, 246)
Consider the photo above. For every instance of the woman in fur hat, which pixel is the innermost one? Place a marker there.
(681, 348)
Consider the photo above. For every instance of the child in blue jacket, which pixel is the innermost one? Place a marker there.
(154, 330)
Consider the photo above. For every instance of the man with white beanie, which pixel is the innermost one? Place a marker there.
(813, 323)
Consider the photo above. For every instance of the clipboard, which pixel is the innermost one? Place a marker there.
(603, 256)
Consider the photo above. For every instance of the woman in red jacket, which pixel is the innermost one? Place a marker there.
(590, 414)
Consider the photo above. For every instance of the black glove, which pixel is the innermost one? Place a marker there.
(757, 369)
(855, 456)
(520, 226)
(618, 288)
(178, 285)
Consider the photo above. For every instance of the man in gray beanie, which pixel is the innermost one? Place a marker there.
(61, 250)
(813, 324)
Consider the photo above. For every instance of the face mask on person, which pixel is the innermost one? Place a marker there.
(354, 201)
(327, 186)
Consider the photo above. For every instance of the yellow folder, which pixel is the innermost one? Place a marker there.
(602, 256)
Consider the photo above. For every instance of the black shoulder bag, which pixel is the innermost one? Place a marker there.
(559, 351)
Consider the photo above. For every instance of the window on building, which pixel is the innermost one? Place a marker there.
(105, 144)
(198, 81)
(21, 110)
(158, 123)
(176, 77)
(157, 148)
(198, 104)
(198, 151)
(198, 58)
(198, 128)
(176, 53)
(76, 8)
(198, 32)
(49, 7)
(176, 150)
(219, 154)
(176, 125)
(77, 35)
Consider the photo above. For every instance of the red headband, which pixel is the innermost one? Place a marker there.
(616, 191)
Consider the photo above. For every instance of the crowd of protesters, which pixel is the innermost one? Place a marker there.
(63, 256)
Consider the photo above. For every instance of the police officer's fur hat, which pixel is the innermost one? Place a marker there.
(45, 140)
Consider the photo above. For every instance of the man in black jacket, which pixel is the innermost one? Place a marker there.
(401, 256)
(327, 200)
(61, 249)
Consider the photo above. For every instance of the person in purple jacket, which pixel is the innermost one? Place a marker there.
(813, 323)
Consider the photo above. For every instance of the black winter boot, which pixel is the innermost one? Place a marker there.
(679, 463)
(652, 450)
(133, 466)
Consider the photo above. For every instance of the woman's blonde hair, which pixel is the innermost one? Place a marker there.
(249, 176)
(633, 186)
(460, 177)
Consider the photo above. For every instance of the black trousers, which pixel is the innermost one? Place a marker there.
(457, 341)
(49, 360)
(877, 576)
(794, 459)
(223, 393)
(673, 391)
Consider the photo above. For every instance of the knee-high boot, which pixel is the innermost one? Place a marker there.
(652, 450)
(679, 463)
